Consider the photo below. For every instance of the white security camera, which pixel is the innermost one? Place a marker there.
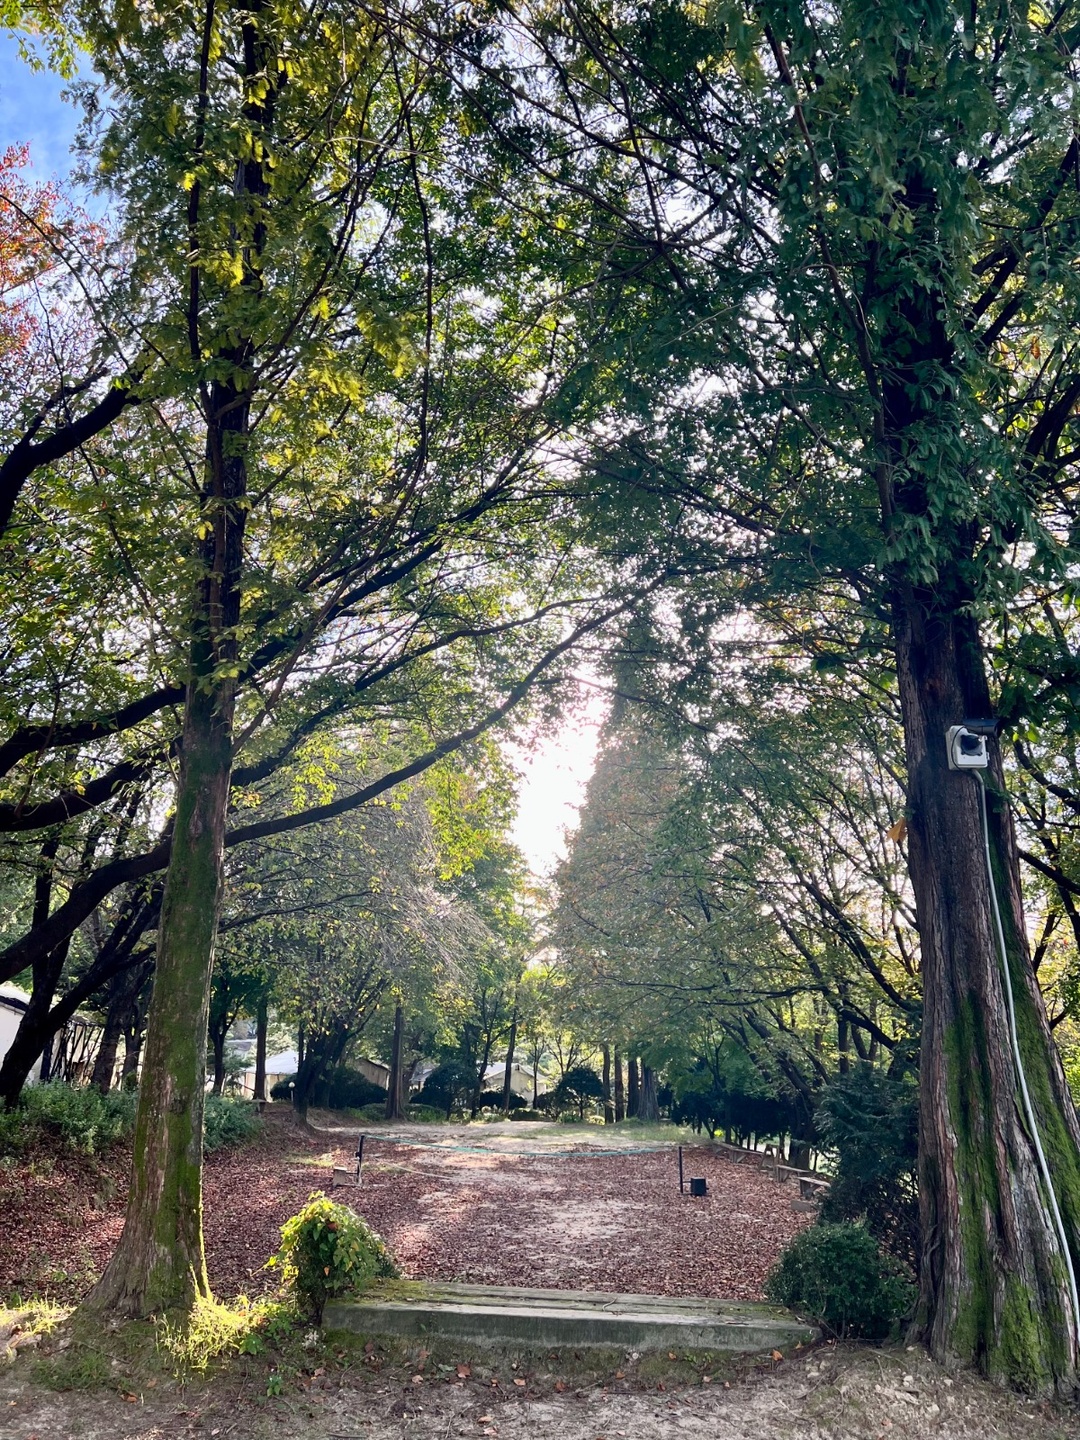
(966, 748)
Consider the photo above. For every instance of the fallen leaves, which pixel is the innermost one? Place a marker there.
(446, 1215)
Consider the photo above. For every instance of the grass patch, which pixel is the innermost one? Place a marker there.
(216, 1330)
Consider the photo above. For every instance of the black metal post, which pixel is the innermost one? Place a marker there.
(680, 1171)
(359, 1158)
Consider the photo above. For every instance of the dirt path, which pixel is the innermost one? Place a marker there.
(490, 1210)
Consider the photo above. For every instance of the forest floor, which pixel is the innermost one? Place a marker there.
(503, 1204)
(831, 1392)
(489, 1210)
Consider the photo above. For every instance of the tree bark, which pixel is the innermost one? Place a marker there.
(993, 1284)
(620, 1105)
(217, 1040)
(262, 1020)
(648, 1107)
(508, 1075)
(631, 1088)
(395, 1100)
(101, 1078)
(609, 1113)
(159, 1262)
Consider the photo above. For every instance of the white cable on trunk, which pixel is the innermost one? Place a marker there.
(1020, 1075)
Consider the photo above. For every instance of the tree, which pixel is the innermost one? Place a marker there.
(578, 1086)
(276, 297)
(860, 237)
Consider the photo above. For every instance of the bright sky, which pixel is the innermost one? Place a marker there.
(555, 768)
(555, 772)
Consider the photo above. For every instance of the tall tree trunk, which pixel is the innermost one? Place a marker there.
(217, 1041)
(993, 1283)
(101, 1078)
(159, 1262)
(395, 1098)
(620, 1106)
(648, 1107)
(508, 1074)
(262, 1022)
(474, 1102)
(631, 1088)
(609, 1113)
(843, 1045)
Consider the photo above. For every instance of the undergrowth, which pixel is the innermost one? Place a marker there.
(80, 1119)
(85, 1121)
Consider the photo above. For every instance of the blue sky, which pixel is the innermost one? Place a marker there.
(32, 111)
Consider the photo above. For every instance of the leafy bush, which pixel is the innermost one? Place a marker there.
(228, 1122)
(82, 1120)
(870, 1119)
(283, 1089)
(346, 1089)
(838, 1275)
(369, 1113)
(426, 1114)
(528, 1115)
(327, 1250)
(493, 1100)
(577, 1087)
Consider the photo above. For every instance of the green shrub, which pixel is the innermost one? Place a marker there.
(869, 1119)
(346, 1089)
(82, 1120)
(839, 1276)
(528, 1115)
(228, 1122)
(368, 1113)
(426, 1114)
(327, 1250)
(14, 1131)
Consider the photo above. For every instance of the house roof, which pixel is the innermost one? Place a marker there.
(13, 997)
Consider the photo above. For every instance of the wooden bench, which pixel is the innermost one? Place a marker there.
(811, 1187)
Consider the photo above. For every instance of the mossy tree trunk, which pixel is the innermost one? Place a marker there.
(158, 1264)
(994, 1287)
(620, 1102)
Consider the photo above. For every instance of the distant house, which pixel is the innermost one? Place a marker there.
(73, 1049)
(278, 1067)
(521, 1080)
(285, 1066)
(13, 1003)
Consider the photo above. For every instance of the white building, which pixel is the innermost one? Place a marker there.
(13, 1003)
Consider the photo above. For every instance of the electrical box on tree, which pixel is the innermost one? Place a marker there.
(966, 745)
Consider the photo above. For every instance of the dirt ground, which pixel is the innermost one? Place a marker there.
(468, 1203)
(513, 1204)
(830, 1393)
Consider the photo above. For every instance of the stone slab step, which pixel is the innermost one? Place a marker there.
(547, 1319)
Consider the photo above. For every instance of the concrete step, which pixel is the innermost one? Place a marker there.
(548, 1319)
